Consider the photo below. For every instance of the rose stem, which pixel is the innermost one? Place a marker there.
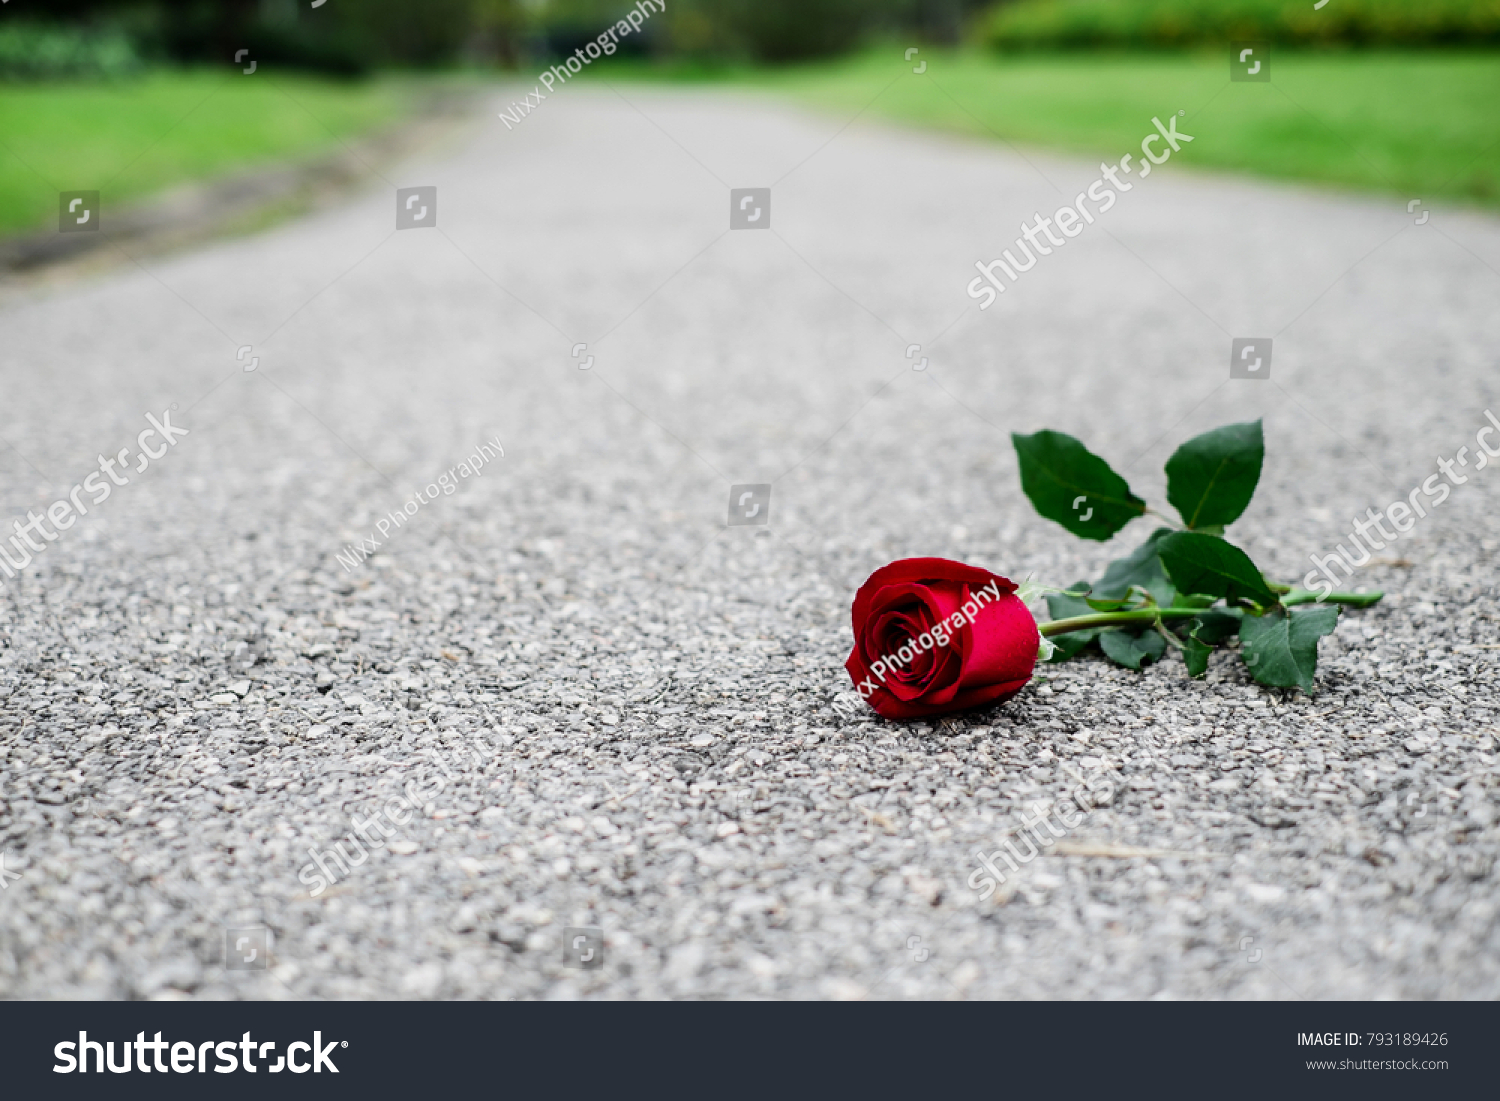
(1111, 619)
(1354, 600)
(1152, 615)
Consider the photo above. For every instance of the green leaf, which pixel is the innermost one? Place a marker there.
(1074, 601)
(1068, 645)
(1211, 478)
(1195, 654)
(1131, 651)
(1281, 647)
(1066, 482)
(1142, 567)
(1198, 563)
(1214, 625)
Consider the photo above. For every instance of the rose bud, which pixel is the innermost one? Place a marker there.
(933, 636)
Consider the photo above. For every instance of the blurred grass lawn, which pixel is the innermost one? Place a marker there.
(1413, 124)
(131, 138)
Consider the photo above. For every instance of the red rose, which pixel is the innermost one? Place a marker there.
(980, 640)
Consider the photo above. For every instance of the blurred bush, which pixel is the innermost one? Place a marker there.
(558, 27)
(347, 39)
(1074, 24)
(209, 33)
(344, 37)
(783, 30)
(37, 52)
(399, 32)
(351, 37)
(751, 30)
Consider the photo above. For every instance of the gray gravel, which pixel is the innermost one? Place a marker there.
(193, 690)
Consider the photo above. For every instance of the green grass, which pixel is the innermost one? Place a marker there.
(1412, 124)
(131, 138)
(1401, 24)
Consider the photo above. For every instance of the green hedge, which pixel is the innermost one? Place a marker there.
(32, 52)
(1082, 24)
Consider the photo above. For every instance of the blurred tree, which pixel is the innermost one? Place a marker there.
(347, 36)
(353, 36)
(499, 29)
(756, 30)
(790, 30)
(401, 32)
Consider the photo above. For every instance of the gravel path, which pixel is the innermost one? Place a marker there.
(618, 711)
